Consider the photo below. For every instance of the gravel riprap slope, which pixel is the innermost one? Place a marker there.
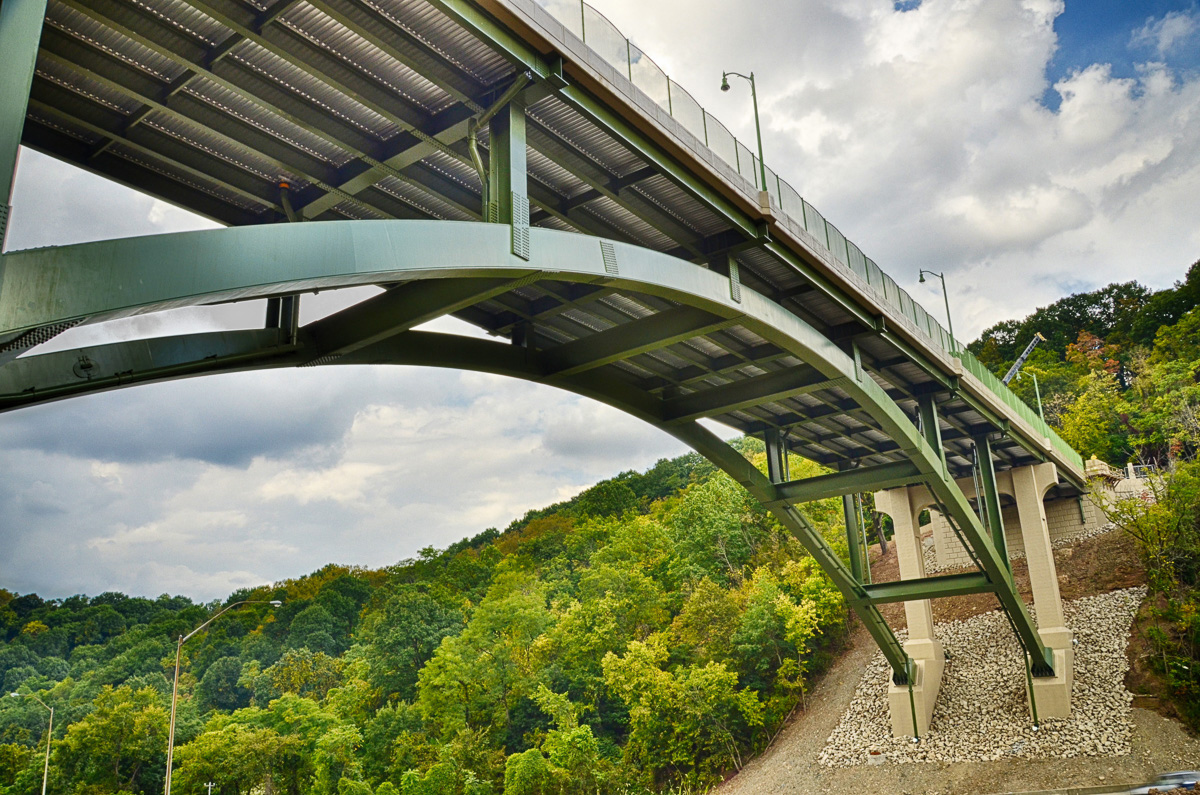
(981, 712)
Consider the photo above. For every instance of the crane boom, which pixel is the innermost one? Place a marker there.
(1016, 368)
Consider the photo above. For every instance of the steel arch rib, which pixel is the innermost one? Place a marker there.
(55, 287)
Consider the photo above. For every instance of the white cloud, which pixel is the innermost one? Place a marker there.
(1168, 33)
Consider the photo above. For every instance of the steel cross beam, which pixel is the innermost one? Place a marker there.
(630, 339)
(851, 481)
(110, 279)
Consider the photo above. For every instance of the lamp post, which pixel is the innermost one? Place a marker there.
(1036, 391)
(762, 166)
(946, 298)
(175, 687)
(49, 734)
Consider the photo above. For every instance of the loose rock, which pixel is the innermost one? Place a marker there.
(981, 711)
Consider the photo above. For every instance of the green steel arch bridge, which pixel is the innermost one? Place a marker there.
(541, 178)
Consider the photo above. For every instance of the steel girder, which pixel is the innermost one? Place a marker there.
(437, 267)
(500, 25)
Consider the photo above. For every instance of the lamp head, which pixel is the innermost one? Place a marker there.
(15, 695)
(275, 603)
(922, 279)
(724, 82)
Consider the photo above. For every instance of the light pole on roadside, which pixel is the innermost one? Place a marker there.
(175, 687)
(762, 166)
(49, 734)
(946, 298)
(1036, 391)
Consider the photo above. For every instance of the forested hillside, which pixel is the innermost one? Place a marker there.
(1117, 373)
(655, 630)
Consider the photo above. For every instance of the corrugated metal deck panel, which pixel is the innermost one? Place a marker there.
(585, 137)
(76, 24)
(318, 93)
(444, 35)
(364, 56)
(421, 199)
(234, 104)
(187, 18)
(667, 194)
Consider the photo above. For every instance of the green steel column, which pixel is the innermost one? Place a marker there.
(991, 497)
(931, 429)
(853, 536)
(508, 190)
(777, 465)
(20, 34)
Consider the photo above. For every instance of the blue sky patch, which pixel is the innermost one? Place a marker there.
(1123, 34)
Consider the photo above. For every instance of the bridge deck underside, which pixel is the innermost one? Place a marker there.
(260, 113)
(361, 108)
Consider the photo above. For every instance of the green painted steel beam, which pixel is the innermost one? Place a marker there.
(109, 279)
(747, 392)
(507, 192)
(853, 536)
(402, 153)
(991, 497)
(397, 310)
(851, 481)
(49, 377)
(932, 429)
(929, 588)
(609, 186)
(20, 31)
(630, 339)
(777, 456)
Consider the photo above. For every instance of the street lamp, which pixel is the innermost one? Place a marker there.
(946, 297)
(49, 734)
(762, 166)
(175, 687)
(1036, 391)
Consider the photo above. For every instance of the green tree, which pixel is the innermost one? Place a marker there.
(121, 745)
(527, 773)
(305, 673)
(237, 758)
(476, 679)
(1093, 424)
(400, 637)
(219, 687)
(317, 630)
(685, 725)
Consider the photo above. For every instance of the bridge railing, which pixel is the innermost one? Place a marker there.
(606, 40)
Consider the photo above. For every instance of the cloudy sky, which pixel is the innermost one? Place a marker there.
(1028, 149)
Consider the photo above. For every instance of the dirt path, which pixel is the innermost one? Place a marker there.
(790, 765)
